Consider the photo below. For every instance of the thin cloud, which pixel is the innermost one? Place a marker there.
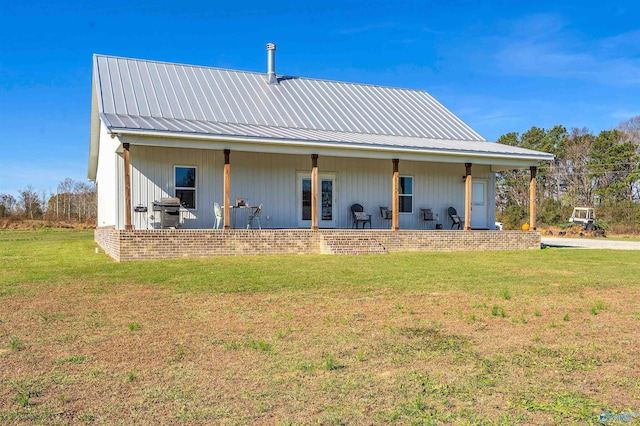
(366, 28)
(433, 31)
(628, 42)
(624, 115)
(491, 116)
(537, 26)
(549, 49)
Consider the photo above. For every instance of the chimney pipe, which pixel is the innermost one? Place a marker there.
(271, 64)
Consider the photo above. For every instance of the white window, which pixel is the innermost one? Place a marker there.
(185, 185)
(405, 194)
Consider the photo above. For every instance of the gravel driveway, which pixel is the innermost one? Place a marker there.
(589, 243)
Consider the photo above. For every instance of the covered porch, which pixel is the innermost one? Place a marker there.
(306, 199)
(299, 190)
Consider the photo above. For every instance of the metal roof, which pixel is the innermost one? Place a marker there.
(160, 97)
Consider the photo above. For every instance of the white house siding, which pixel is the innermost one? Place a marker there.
(106, 180)
(271, 179)
(152, 178)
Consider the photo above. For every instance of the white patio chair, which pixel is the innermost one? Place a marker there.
(218, 212)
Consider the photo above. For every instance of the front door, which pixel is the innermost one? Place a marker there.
(326, 200)
(479, 205)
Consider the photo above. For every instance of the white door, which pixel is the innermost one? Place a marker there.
(479, 205)
(326, 200)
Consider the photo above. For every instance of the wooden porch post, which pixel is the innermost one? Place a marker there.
(532, 198)
(394, 202)
(227, 190)
(127, 188)
(314, 191)
(468, 181)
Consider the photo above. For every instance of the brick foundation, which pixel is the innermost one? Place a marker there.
(109, 239)
(126, 246)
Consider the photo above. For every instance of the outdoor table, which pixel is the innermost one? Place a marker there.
(244, 210)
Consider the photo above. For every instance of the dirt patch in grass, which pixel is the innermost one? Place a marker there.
(81, 354)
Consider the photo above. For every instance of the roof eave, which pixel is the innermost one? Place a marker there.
(222, 141)
(94, 138)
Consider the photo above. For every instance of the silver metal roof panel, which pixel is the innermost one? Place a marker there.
(172, 91)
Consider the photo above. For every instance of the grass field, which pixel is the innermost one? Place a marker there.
(542, 337)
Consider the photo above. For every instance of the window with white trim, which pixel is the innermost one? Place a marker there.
(185, 185)
(405, 194)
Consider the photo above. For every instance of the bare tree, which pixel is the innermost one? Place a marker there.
(574, 167)
(65, 192)
(631, 131)
(43, 203)
(7, 205)
(73, 201)
(30, 202)
(83, 198)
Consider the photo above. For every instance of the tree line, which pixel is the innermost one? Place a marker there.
(73, 201)
(601, 171)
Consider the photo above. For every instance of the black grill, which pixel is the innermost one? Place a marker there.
(169, 209)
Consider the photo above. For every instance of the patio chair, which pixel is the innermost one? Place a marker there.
(359, 216)
(427, 216)
(256, 215)
(218, 212)
(386, 214)
(455, 219)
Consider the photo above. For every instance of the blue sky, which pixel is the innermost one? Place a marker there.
(501, 66)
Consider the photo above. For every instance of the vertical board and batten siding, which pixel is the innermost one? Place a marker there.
(258, 178)
(271, 179)
(153, 177)
(437, 186)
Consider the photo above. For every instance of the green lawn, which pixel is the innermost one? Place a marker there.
(59, 256)
(529, 337)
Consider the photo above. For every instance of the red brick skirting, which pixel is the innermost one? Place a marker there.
(126, 246)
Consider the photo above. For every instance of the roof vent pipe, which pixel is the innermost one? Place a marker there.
(271, 64)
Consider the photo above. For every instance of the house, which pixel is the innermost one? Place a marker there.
(305, 149)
